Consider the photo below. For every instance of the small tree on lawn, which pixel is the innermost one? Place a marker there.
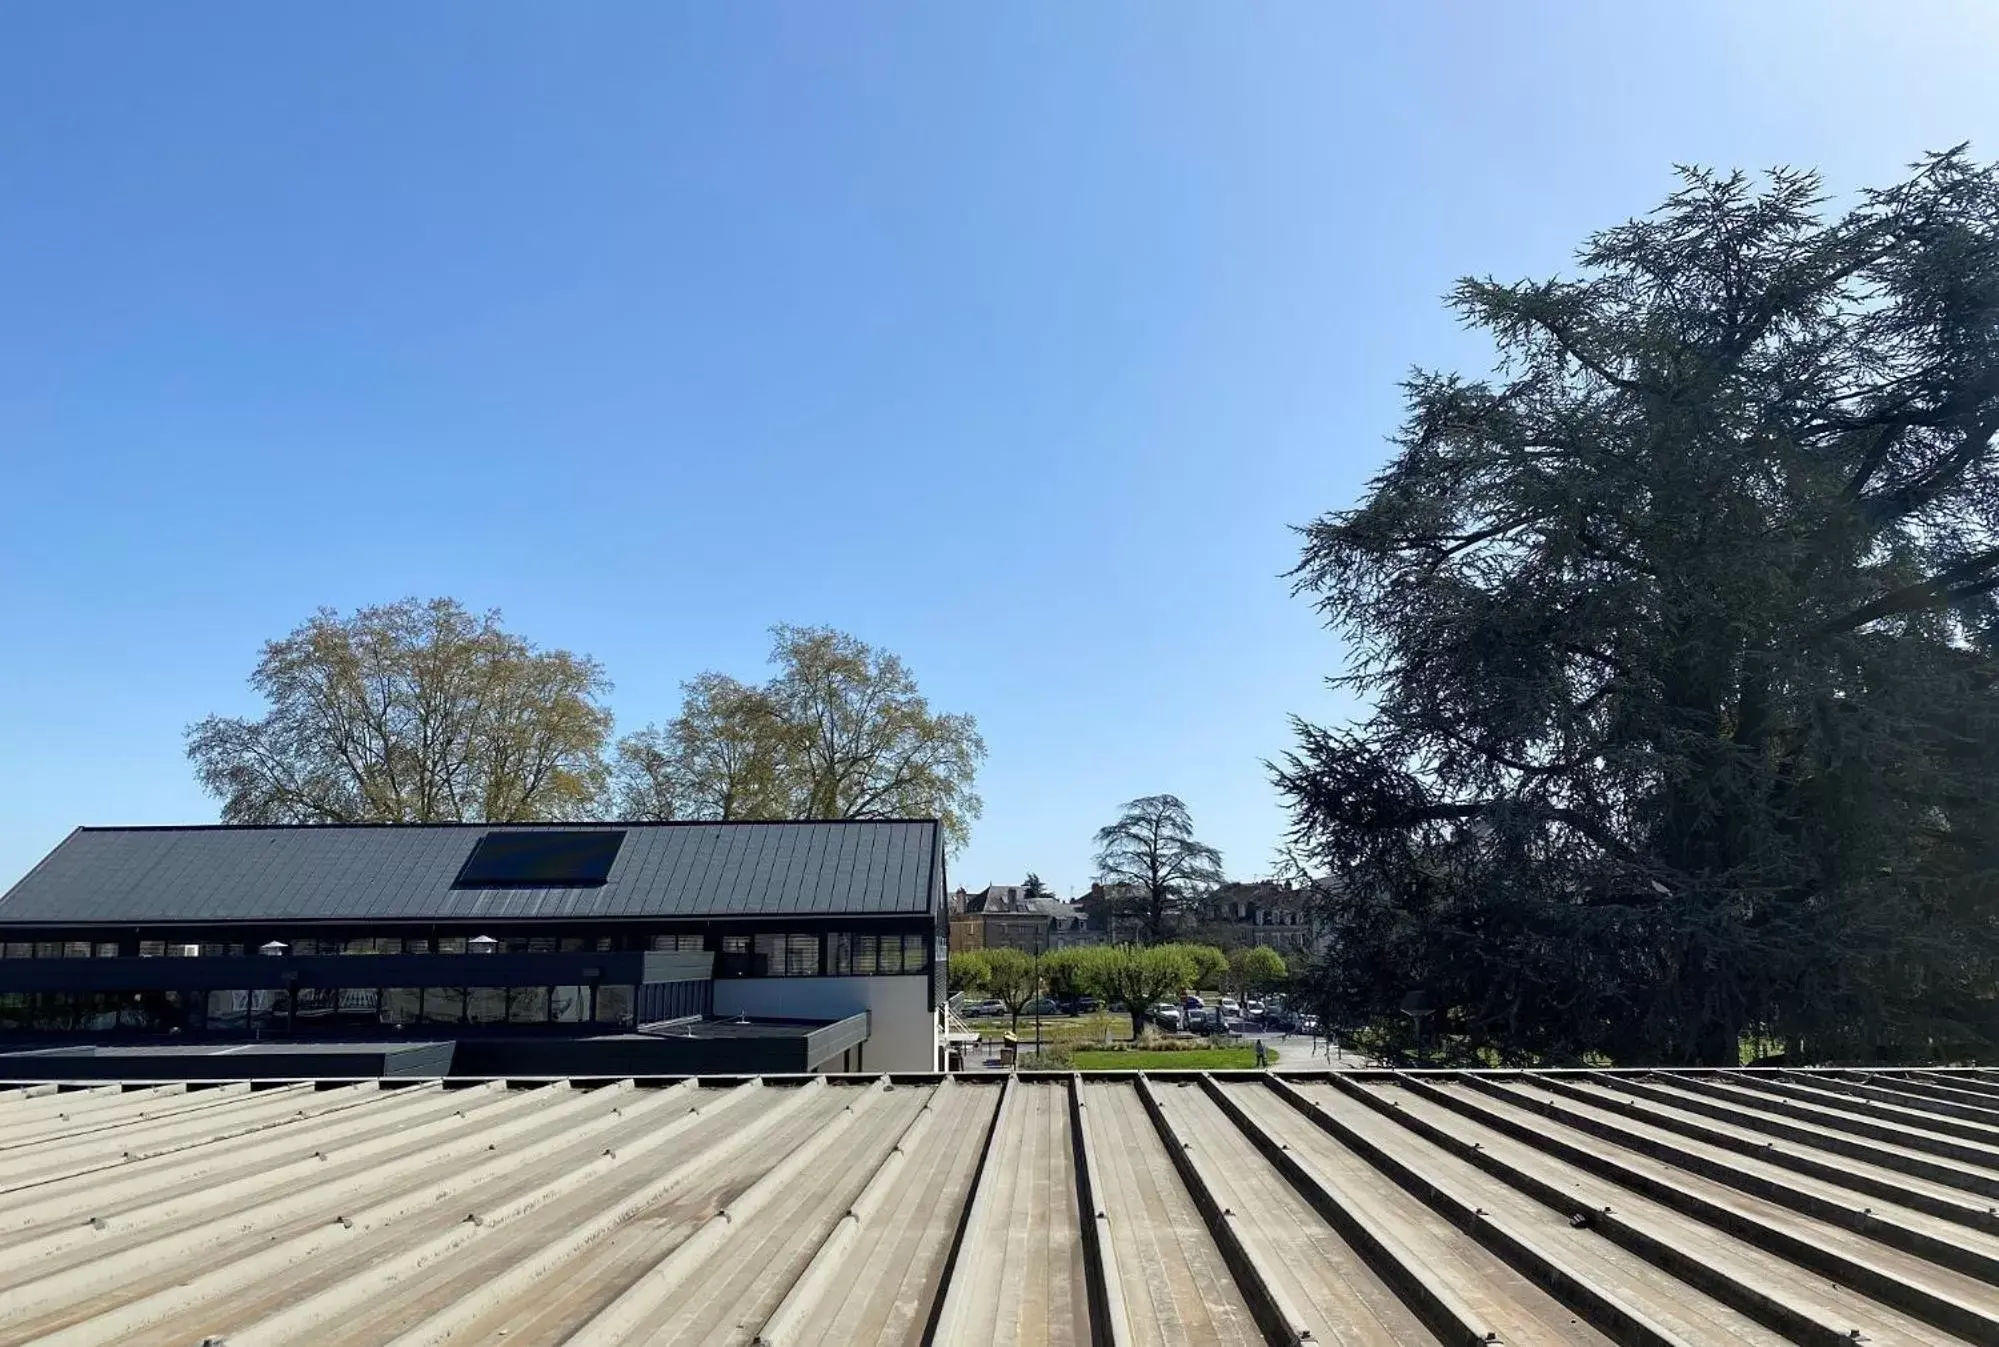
(1063, 972)
(1210, 966)
(1256, 969)
(1011, 980)
(968, 971)
(1137, 976)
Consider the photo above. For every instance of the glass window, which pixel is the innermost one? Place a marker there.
(566, 1005)
(152, 949)
(867, 955)
(451, 944)
(527, 1005)
(417, 946)
(107, 949)
(228, 1010)
(789, 956)
(20, 949)
(541, 944)
(16, 1010)
(572, 944)
(443, 1005)
(486, 1005)
(614, 1004)
(359, 945)
(401, 1005)
(735, 944)
(210, 951)
(770, 953)
(305, 945)
(317, 1003)
(48, 949)
(235, 950)
(693, 943)
(801, 956)
(839, 954)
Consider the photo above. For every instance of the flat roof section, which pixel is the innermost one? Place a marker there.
(1649, 1207)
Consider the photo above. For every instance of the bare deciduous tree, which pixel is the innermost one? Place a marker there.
(411, 712)
(840, 732)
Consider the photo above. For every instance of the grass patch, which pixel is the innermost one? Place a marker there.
(1200, 1059)
(1078, 1029)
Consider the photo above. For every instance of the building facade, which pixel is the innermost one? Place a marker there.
(470, 931)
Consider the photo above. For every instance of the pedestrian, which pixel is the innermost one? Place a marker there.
(1262, 1058)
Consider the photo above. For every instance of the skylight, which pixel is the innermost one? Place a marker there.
(540, 860)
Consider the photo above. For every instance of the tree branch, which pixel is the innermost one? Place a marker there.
(1939, 591)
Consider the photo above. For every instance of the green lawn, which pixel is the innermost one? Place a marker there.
(1201, 1059)
(1076, 1029)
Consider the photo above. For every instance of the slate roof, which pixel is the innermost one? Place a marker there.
(202, 874)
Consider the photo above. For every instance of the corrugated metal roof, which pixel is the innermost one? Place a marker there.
(336, 873)
(1368, 1207)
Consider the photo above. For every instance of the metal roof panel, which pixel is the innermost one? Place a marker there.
(1231, 1208)
(137, 875)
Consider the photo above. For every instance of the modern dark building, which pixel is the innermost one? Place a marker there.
(737, 946)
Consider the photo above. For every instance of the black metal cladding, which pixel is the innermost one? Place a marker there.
(540, 860)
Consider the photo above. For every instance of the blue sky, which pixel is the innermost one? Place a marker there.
(1009, 337)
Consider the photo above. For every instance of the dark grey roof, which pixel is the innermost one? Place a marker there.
(132, 875)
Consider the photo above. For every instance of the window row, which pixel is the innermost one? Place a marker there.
(58, 949)
(310, 1008)
(790, 954)
(421, 1005)
(837, 954)
(449, 944)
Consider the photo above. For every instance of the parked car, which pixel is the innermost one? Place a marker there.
(1229, 1006)
(982, 1010)
(1197, 1020)
(1166, 1017)
(1081, 1005)
(1255, 1010)
(1041, 1005)
(1233, 1026)
(1308, 1024)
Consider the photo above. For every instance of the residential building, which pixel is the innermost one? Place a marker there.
(1257, 912)
(1008, 915)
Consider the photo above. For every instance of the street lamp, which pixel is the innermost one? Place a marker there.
(1039, 941)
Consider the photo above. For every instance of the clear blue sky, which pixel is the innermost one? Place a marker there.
(1011, 337)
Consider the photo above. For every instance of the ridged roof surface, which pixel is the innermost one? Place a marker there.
(138, 875)
(1235, 1208)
